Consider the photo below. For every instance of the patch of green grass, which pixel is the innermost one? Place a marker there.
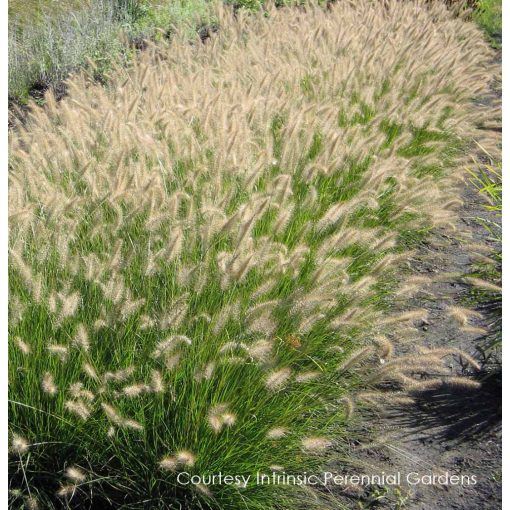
(487, 178)
(30, 11)
(488, 15)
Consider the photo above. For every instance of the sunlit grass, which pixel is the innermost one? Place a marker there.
(206, 256)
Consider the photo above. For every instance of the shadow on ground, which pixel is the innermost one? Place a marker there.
(457, 414)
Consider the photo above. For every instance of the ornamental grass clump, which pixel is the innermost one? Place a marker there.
(204, 253)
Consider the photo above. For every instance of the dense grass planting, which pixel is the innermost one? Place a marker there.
(203, 253)
(48, 39)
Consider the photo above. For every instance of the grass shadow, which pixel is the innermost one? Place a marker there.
(457, 414)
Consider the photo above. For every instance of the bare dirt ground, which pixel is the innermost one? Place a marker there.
(447, 431)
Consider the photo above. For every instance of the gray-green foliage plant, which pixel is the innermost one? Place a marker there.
(46, 44)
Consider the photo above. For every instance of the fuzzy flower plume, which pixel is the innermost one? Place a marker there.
(180, 460)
